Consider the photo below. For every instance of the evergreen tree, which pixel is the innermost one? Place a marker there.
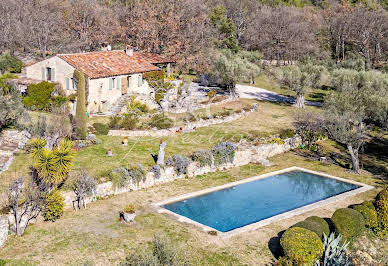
(226, 29)
(80, 115)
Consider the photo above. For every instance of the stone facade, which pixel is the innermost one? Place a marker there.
(103, 92)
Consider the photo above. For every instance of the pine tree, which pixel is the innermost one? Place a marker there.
(80, 115)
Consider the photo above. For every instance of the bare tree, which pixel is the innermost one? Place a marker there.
(84, 186)
(25, 202)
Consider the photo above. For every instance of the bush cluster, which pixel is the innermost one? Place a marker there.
(123, 176)
(130, 208)
(54, 206)
(301, 246)
(223, 153)
(9, 63)
(367, 209)
(39, 96)
(204, 157)
(101, 129)
(349, 223)
(382, 210)
(316, 225)
(161, 121)
(180, 163)
(129, 121)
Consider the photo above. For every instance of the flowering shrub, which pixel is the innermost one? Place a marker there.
(179, 162)
(223, 153)
(204, 157)
(54, 206)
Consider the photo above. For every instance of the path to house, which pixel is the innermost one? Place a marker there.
(250, 92)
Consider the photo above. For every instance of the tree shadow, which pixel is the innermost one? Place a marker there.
(274, 245)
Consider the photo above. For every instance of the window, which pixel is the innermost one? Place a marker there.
(74, 82)
(113, 83)
(49, 73)
(129, 81)
(140, 80)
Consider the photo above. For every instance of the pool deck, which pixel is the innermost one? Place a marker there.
(158, 206)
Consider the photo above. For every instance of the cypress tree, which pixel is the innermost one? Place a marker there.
(80, 114)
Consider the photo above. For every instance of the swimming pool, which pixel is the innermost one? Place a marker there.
(236, 205)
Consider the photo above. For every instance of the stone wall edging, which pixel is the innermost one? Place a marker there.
(189, 127)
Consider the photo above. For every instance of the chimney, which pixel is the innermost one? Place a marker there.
(106, 47)
(129, 50)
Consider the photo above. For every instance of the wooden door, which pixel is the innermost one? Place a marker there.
(124, 85)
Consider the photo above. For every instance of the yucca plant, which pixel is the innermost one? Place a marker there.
(36, 147)
(53, 166)
(335, 253)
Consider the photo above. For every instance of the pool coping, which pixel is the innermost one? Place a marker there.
(158, 206)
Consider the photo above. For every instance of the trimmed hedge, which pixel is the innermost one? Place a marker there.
(315, 224)
(101, 129)
(322, 222)
(382, 210)
(367, 209)
(349, 223)
(301, 245)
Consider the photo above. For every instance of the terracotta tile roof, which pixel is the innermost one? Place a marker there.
(109, 63)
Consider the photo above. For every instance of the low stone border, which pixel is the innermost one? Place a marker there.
(160, 209)
(186, 128)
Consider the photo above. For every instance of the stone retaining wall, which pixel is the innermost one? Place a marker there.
(187, 128)
(11, 141)
(244, 154)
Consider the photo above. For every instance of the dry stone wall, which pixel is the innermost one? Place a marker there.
(244, 154)
(187, 128)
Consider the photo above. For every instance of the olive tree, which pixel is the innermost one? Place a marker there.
(296, 79)
(231, 67)
(84, 186)
(25, 202)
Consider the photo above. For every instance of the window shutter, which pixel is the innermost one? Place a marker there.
(53, 74)
(67, 83)
(118, 83)
(139, 81)
(110, 83)
(43, 73)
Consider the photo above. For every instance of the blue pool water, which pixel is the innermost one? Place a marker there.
(251, 202)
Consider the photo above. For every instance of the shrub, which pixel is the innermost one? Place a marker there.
(161, 121)
(312, 226)
(180, 163)
(278, 141)
(349, 223)
(204, 157)
(211, 94)
(223, 153)
(115, 121)
(286, 134)
(123, 176)
(369, 212)
(130, 208)
(301, 245)
(39, 96)
(101, 128)
(54, 206)
(156, 170)
(137, 107)
(153, 75)
(322, 222)
(129, 121)
(335, 253)
(9, 63)
(382, 210)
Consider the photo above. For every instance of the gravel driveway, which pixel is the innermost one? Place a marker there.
(250, 92)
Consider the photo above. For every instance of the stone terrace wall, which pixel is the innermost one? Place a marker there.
(187, 128)
(10, 142)
(245, 154)
(3, 229)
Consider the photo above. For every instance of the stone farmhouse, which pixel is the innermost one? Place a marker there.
(110, 74)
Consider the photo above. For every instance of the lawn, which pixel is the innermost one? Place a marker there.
(96, 237)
